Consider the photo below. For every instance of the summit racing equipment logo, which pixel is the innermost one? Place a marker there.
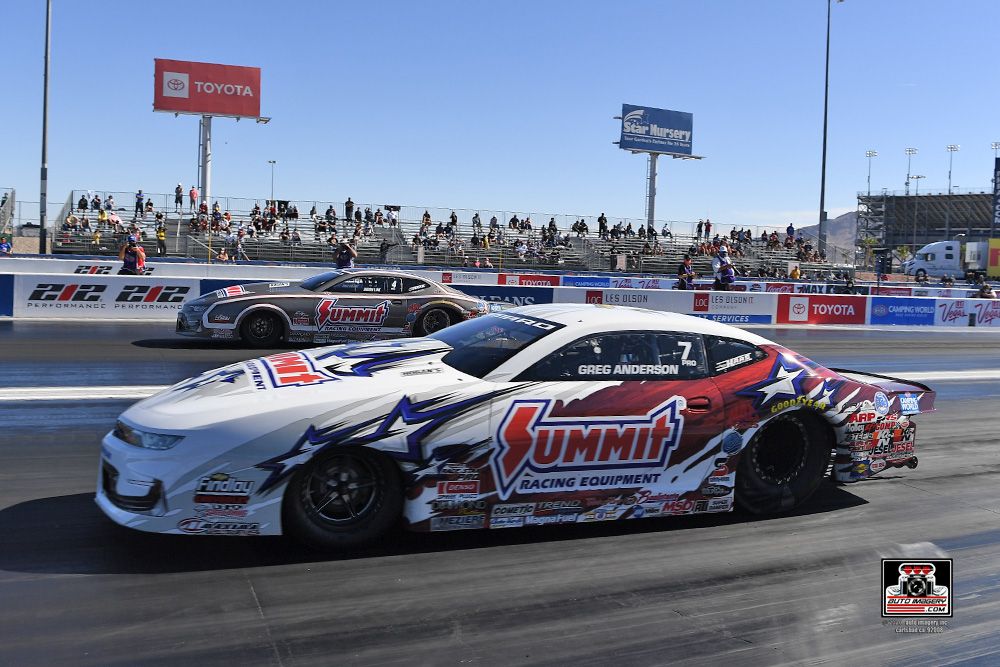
(918, 587)
(331, 317)
(537, 453)
(288, 369)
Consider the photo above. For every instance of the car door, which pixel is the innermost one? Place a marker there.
(625, 423)
(357, 308)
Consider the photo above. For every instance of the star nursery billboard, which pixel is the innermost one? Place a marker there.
(656, 130)
(181, 86)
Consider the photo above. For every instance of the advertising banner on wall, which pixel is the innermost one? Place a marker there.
(995, 224)
(821, 309)
(957, 312)
(515, 296)
(907, 311)
(182, 86)
(733, 308)
(91, 296)
(656, 130)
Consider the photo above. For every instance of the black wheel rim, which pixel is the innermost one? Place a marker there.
(262, 327)
(341, 490)
(780, 454)
(435, 320)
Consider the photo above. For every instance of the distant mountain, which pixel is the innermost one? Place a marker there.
(839, 232)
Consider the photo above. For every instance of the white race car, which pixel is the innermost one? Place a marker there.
(537, 415)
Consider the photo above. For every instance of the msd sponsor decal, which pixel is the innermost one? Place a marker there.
(894, 310)
(538, 453)
(527, 280)
(331, 317)
(821, 309)
(288, 369)
(182, 86)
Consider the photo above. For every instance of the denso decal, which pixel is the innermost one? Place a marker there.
(330, 316)
(458, 489)
(540, 453)
(287, 369)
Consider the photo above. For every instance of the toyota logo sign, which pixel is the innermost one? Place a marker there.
(175, 84)
(799, 308)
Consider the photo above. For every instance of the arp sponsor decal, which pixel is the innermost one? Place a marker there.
(202, 526)
(331, 317)
(286, 369)
(466, 522)
(917, 587)
(539, 453)
(75, 296)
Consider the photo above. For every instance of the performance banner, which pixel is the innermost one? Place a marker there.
(181, 86)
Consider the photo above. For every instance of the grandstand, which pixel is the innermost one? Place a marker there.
(897, 219)
(518, 248)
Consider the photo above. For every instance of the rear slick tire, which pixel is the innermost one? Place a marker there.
(784, 464)
(345, 499)
(261, 329)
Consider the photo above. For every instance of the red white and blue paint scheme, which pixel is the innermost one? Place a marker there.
(551, 414)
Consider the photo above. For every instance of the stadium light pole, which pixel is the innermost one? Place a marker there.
(272, 163)
(43, 194)
(910, 152)
(826, 107)
(996, 147)
(916, 206)
(951, 148)
(870, 155)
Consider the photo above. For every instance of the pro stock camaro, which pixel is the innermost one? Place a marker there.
(342, 305)
(537, 415)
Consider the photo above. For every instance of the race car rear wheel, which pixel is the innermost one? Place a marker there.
(433, 321)
(784, 463)
(345, 499)
(262, 329)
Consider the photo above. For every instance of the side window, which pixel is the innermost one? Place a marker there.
(373, 284)
(949, 256)
(930, 257)
(725, 354)
(413, 285)
(349, 286)
(624, 355)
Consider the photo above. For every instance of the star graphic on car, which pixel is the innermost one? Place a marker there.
(785, 379)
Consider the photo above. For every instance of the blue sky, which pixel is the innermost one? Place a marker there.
(509, 105)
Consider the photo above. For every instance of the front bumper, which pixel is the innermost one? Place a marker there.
(189, 324)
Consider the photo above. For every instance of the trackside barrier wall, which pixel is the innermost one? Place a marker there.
(159, 298)
(244, 272)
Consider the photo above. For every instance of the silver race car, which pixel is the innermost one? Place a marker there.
(531, 416)
(347, 305)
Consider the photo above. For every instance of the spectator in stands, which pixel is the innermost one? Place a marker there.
(349, 209)
(178, 198)
(82, 204)
(284, 236)
(477, 224)
(161, 240)
(5, 247)
(140, 204)
(109, 203)
(725, 272)
(296, 239)
(790, 230)
(330, 215)
(487, 264)
(379, 218)
(149, 207)
(357, 215)
(193, 198)
(700, 229)
(514, 223)
(95, 240)
(795, 273)
(383, 251)
(642, 232)
(666, 232)
(393, 219)
(646, 248)
(986, 292)
(332, 241)
(685, 274)
(71, 221)
(102, 218)
(345, 256)
(947, 281)
(708, 228)
(95, 203)
(85, 225)
(222, 255)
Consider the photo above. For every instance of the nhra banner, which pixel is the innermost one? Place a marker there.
(93, 296)
(656, 130)
(182, 86)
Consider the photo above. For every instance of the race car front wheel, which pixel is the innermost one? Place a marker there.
(784, 463)
(261, 329)
(345, 499)
(433, 321)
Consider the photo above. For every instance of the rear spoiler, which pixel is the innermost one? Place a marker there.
(893, 385)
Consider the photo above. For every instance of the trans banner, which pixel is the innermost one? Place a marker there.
(656, 130)
(181, 86)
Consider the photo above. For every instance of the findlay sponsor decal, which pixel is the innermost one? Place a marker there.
(331, 317)
(222, 488)
(538, 453)
(287, 369)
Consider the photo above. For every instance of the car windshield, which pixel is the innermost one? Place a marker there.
(482, 344)
(314, 283)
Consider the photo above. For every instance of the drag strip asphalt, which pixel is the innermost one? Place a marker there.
(785, 590)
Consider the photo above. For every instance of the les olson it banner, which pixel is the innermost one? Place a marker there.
(182, 86)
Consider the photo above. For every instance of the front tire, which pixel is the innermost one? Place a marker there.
(434, 320)
(343, 500)
(262, 329)
(921, 274)
(784, 463)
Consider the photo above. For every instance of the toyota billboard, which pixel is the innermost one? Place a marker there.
(182, 86)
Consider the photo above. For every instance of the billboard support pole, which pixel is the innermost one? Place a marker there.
(651, 193)
(44, 172)
(205, 166)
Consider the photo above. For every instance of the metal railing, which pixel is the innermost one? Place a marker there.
(9, 197)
